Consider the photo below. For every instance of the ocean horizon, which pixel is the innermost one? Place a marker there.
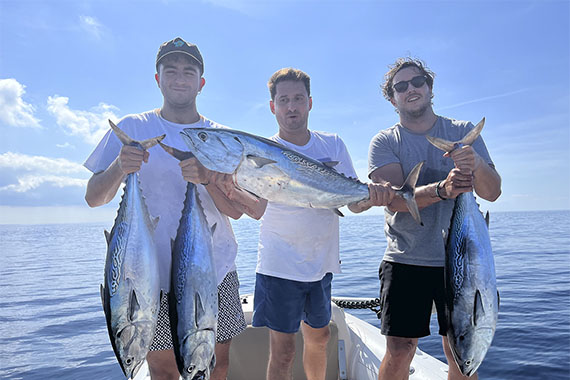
(53, 327)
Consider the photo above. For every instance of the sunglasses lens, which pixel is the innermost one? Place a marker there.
(418, 81)
(401, 86)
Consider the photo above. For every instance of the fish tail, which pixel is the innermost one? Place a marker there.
(127, 140)
(407, 191)
(469, 139)
(176, 153)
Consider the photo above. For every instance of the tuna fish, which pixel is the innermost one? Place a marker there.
(193, 297)
(278, 174)
(472, 300)
(131, 290)
(471, 288)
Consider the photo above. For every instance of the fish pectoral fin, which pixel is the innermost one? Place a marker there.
(198, 308)
(134, 306)
(107, 237)
(478, 309)
(259, 162)
(498, 300)
(487, 219)
(330, 164)
(213, 228)
(337, 211)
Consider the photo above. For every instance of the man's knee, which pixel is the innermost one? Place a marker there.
(316, 337)
(402, 348)
(162, 365)
(282, 347)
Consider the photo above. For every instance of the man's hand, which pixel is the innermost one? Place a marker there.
(131, 158)
(457, 182)
(465, 158)
(193, 171)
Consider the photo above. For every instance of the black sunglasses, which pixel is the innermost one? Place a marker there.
(417, 82)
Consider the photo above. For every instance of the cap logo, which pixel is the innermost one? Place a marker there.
(178, 43)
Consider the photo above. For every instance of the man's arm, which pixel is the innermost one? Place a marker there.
(103, 186)
(486, 180)
(229, 200)
(454, 184)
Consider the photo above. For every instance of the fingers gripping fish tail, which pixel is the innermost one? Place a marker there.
(407, 191)
(126, 140)
(469, 139)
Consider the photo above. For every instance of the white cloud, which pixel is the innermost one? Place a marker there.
(89, 125)
(14, 111)
(22, 162)
(31, 182)
(91, 26)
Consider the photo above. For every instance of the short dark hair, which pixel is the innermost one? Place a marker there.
(402, 63)
(288, 74)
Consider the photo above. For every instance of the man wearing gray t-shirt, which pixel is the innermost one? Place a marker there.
(411, 273)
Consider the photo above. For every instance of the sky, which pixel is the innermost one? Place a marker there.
(67, 66)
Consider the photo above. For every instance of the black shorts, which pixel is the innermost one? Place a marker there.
(407, 293)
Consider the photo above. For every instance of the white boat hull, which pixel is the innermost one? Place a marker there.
(354, 352)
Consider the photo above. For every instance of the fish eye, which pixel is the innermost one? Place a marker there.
(203, 136)
(129, 361)
(468, 362)
(462, 338)
(190, 369)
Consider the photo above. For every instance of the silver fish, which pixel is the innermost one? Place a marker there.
(471, 288)
(193, 297)
(472, 299)
(131, 289)
(274, 172)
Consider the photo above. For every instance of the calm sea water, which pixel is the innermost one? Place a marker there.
(52, 325)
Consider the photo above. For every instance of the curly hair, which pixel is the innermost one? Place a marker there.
(288, 74)
(402, 63)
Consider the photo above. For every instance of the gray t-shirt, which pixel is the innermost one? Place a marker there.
(407, 241)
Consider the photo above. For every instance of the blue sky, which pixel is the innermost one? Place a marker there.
(68, 66)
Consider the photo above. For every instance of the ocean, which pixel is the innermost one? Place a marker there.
(52, 325)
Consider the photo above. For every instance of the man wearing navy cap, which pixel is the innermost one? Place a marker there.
(179, 75)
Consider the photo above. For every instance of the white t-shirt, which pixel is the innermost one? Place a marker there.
(297, 243)
(164, 188)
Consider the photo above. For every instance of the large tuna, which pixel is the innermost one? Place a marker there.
(472, 300)
(471, 288)
(273, 172)
(193, 296)
(131, 290)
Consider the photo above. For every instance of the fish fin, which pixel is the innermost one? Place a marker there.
(149, 143)
(446, 146)
(487, 219)
(338, 212)
(468, 139)
(473, 134)
(259, 162)
(407, 191)
(123, 137)
(213, 228)
(180, 155)
(478, 309)
(154, 221)
(126, 140)
(107, 236)
(330, 164)
(498, 300)
(134, 306)
(199, 309)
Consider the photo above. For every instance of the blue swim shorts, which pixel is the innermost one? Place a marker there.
(281, 304)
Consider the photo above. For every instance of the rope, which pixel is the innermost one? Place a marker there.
(348, 303)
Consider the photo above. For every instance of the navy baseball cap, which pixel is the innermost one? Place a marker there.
(178, 45)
